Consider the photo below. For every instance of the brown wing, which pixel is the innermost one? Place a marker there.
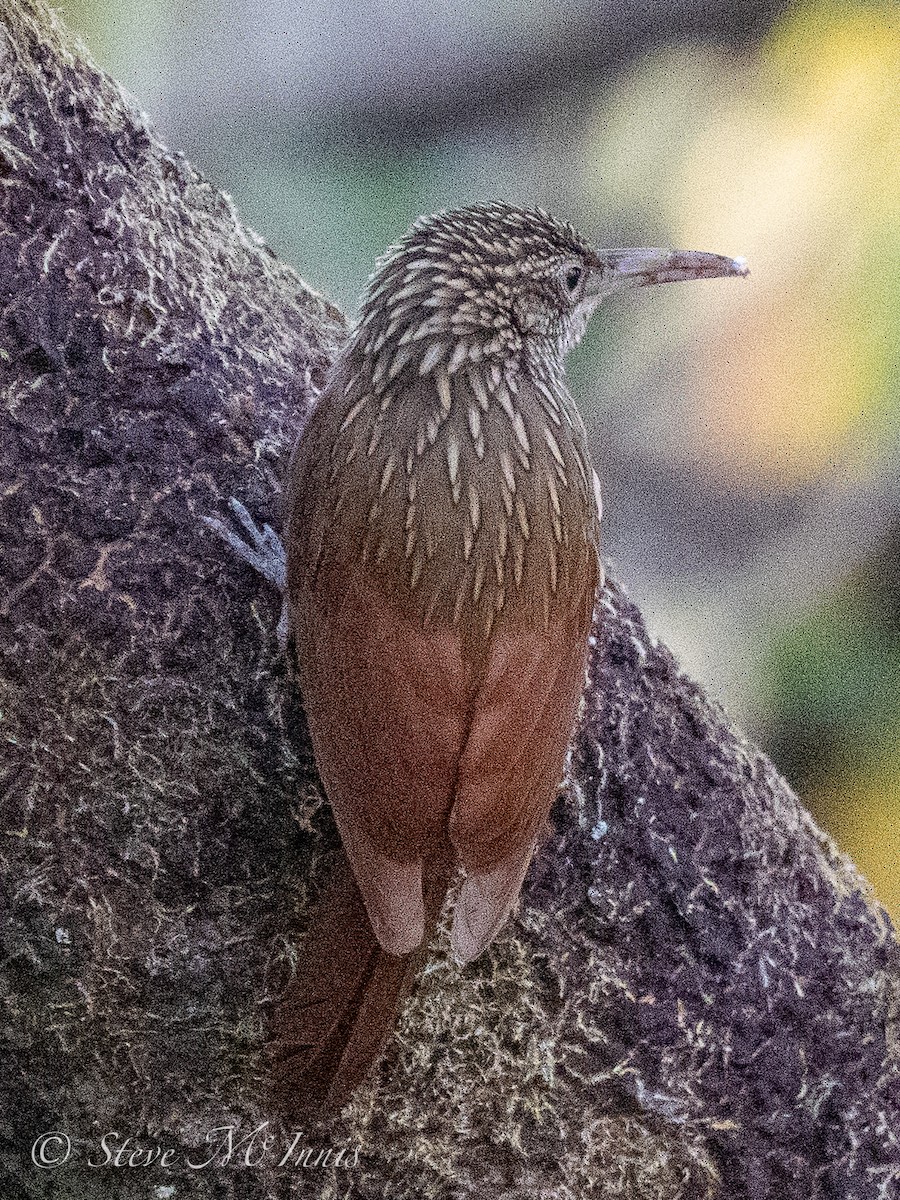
(533, 677)
(385, 701)
(513, 762)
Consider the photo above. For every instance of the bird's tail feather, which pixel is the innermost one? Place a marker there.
(339, 1010)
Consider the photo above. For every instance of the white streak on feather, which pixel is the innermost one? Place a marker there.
(474, 508)
(401, 358)
(553, 445)
(353, 413)
(387, 475)
(478, 582)
(404, 293)
(504, 399)
(382, 362)
(453, 465)
(518, 560)
(551, 407)
(431, 357)
(442, 383)
(522, 518)
(474, 415)
(554, 496)
(479, 389)
(502, 537)
(521, 432)
(458, 357)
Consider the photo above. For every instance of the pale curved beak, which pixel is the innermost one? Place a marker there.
(614, 270)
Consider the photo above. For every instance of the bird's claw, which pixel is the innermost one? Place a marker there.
(263, 550)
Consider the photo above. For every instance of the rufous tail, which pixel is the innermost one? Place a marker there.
(339, 1010)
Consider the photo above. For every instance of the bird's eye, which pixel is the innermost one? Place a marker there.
(573, 277)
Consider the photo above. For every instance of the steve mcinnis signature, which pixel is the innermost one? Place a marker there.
(224, 1146)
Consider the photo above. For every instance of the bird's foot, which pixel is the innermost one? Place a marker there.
(262, 548)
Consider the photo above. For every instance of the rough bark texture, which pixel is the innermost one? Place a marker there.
(698, 998)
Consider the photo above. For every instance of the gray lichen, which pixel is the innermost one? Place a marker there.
(699, 995)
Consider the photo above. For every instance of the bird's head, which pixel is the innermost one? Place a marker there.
(498, 284)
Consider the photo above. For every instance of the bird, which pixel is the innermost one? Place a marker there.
(441, 544)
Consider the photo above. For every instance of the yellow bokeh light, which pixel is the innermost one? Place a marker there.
(803, 179)
(863, 815)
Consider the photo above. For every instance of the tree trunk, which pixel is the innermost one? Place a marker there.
(698, 996)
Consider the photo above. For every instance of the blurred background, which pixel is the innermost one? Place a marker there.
(747, 433)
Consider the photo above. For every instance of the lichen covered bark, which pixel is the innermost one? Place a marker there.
(698, 997)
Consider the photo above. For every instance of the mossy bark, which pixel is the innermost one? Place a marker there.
(698, 997)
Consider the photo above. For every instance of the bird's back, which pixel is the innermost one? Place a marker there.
(442, 567)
